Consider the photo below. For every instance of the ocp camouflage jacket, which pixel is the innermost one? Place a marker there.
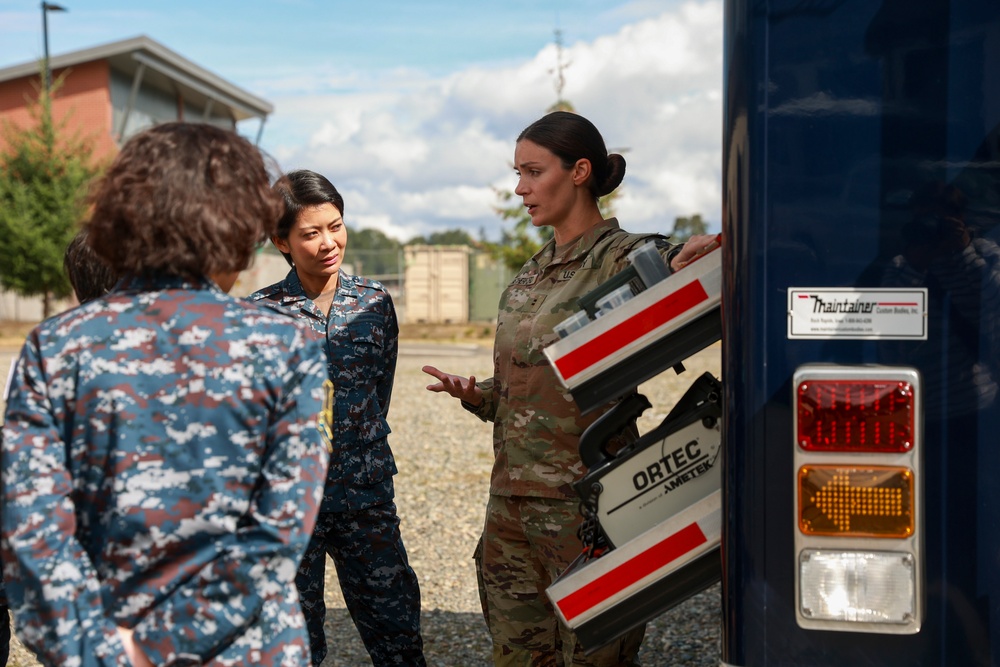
(536, 423)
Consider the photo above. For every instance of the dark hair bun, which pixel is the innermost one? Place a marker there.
(613, 176)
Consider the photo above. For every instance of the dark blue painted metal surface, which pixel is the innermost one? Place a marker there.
(841, 117)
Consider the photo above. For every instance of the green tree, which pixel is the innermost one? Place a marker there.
(373, 253)
(685, 228)
(447, 237)
(607, 203)
(43, 183)
(520, 243)
(561, 105)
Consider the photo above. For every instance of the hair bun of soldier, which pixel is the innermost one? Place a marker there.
(614, 175)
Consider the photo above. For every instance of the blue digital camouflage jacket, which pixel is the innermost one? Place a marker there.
(163, 461)
(361, 335)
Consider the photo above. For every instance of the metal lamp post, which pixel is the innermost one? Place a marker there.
(46, 8)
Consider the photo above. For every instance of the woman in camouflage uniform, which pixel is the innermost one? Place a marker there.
(532, 517)
(163, 445)
(90, 278)
(358, 526)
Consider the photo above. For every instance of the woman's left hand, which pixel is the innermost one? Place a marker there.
(695, 247)
(462, 388)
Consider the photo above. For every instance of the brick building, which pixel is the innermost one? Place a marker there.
(112, 91)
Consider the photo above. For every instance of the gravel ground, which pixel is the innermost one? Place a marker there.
(444, 457)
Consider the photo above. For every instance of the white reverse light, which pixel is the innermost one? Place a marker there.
(857, 586)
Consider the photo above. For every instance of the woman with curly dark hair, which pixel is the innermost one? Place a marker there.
(164, 450)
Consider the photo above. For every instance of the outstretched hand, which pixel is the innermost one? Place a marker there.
(464, 389)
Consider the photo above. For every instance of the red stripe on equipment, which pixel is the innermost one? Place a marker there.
(628, 573)
(673, 305)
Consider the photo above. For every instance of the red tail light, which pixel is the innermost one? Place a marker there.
(855, 416)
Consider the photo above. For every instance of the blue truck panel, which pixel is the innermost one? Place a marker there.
(862, 150)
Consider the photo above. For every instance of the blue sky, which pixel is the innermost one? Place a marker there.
(437, 35)
(411, 107)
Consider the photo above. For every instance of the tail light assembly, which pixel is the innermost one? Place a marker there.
(858, 537)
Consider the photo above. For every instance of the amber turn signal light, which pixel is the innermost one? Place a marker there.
(874, 501)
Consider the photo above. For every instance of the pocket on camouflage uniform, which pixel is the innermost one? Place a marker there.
(368, 340)
(378, 462)
(477, 557)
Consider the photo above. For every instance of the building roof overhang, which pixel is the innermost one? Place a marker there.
(158, 66)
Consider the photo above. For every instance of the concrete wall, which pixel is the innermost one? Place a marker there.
(16, 308)
(442, 284)
(267, 268)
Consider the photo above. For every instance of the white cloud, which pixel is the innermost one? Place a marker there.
(451, 203)
(414, 154)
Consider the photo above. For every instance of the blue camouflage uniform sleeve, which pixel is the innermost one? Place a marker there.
(272, 537)
(51, 581)
(384, 388)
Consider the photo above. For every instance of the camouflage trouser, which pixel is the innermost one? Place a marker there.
(379, 585)
(4, 635)
(527, 543)
(4, 624)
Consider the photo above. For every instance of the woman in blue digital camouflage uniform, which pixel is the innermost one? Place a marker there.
(532, 517)
(165, 445)
(358, 526)
(90, 278)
